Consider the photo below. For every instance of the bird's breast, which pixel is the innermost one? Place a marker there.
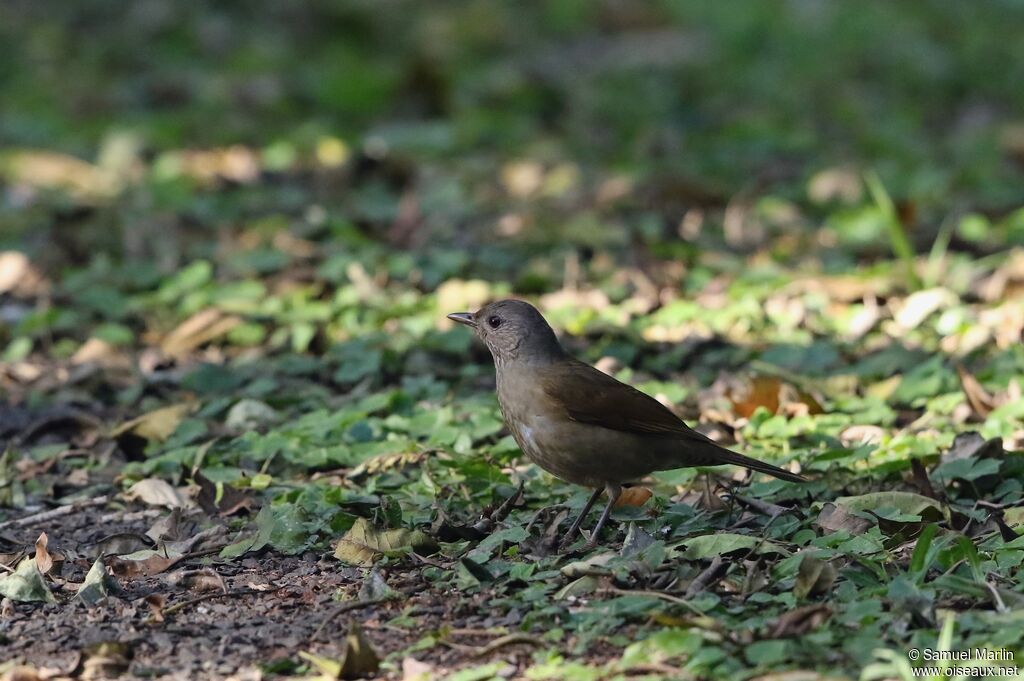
(545, 435)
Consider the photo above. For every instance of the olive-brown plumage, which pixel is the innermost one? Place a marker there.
(580, 424)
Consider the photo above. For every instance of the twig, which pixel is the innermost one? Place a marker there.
(121, 515)
(508, 640)
(748, 579)
(765, 507)
(463, 631)
(60, 511)
(537, 516)
(998, 507)
(654, 594)
(998, 600)
(504, 639)
(657, 668)
(385, 626)
(206, 597)
(430, 561)
(342, 609)
(762, 539)
(705, 578)
(202, 553)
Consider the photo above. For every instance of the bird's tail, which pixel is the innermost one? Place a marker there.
(729, 456)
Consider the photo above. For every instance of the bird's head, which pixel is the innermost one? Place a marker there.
(514, 331)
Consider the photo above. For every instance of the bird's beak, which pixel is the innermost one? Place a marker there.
(463, 318)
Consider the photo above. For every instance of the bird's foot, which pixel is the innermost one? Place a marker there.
(567, 544)
(564, 545)
(569, 539)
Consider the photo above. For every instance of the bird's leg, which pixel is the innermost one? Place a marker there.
(568, 537)
(613, 495)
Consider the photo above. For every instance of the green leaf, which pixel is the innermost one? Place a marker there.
(767, 653)
(578, 587)
(95, 587)
(18, 349)
(710, 545)
(249, 414)
(898, 239)
(814, 577)
(489, 544)
(375, 587)
(470, 575)
(907, 504)
(264, 530)
(923, 556)
(26, 584)
(662, 647)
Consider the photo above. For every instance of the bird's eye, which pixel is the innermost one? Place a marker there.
(494, 321)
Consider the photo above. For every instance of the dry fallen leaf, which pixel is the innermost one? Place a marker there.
(144, 563)
(971, 445)
(17, 274)
(414, 670)
(198, 580)
(385, 462)
(99, 352)
(800, 621)
(814, 577)
(121, 543)
(920, 305)
(219, 499)
(157, 425)
(834, 518)
(708, 499)
(43, 559)
(156, 492)
(199, 329)
(25, 672)
(53, 170)
(459, 294)
(209, 167)
(364, 543)
(839, 183)
(107, 660)
(861, 434)
(633, 496)
(358, 658)
(771, 393)
(156, 607)
(168, 528)
(981, 401)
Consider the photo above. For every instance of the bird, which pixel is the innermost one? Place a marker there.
(580, 424)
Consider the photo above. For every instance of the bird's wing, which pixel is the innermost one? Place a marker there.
(591, 396)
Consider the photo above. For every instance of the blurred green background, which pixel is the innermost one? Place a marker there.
(159, 147)
(691, 102)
